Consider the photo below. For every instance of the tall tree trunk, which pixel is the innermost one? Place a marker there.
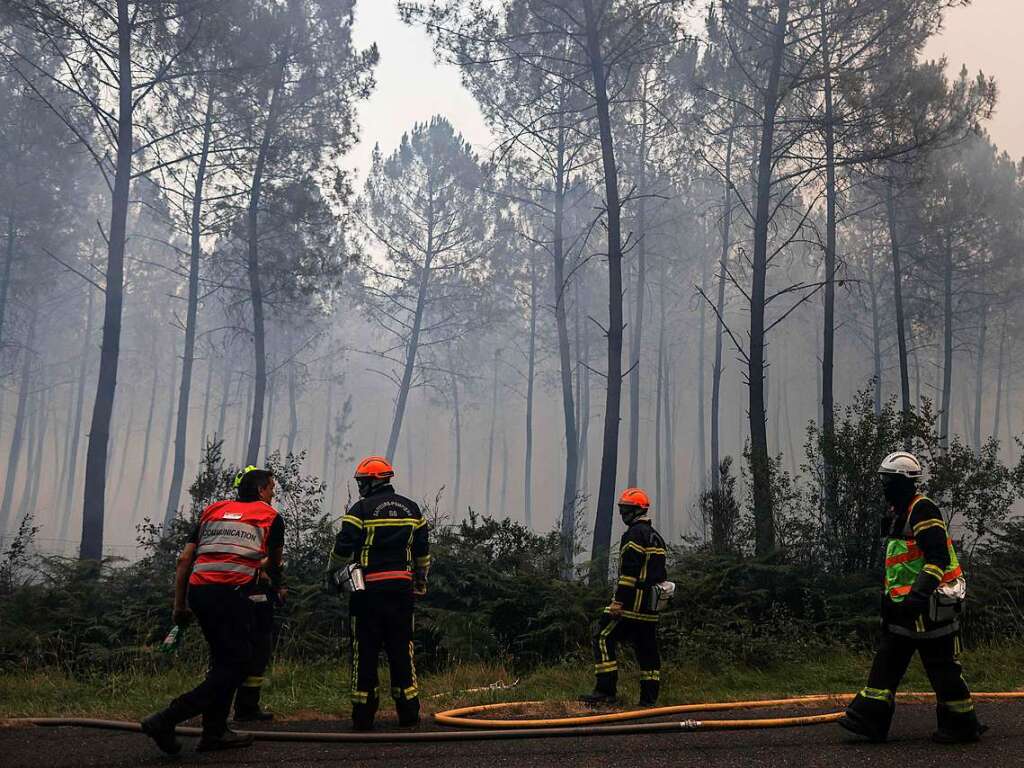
(999, 380)
(979, 372)
(207, 396)
(328, 407)
(567, 519)
(240, 435)
(636, 339)
(20, 418)
(490, 437)
(897, 286)
(876, 333)
(457, 415)
(165, 450)
(191, 313)
(723, 268)
(103, 406)
(764, 518)
(504, 473)
(5, 278)
(947, 342)
(252, 450)
(76, 424)
(35, 467)
(225, 394)
(145, 440)
(659, 383)
(668, 415)
(530, 368)
(414, 341)
(701, 448)
(293, 409)
(268, 419)
(35, 409)
(1010, 442)
(610, 441)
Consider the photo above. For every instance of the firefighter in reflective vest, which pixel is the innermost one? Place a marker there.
(632, 615)
(384, 539)
(234, 551)
(921, 607)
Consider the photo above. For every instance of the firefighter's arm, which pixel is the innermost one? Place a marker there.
(348, 541)
(182, 615)
(930, 533)
(630, 564)
(421, 557)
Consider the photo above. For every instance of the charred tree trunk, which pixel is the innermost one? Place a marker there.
(636, 339)
(610, 440)
(897, 287)
(103, 406)
(702, 457)
(191, 313)
(764, 518)
(252, 450)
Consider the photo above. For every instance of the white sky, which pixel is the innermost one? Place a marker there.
(411, 87)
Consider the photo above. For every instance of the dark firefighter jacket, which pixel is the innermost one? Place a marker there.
(387, 535)
(641, 566)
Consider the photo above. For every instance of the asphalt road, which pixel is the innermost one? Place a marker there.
(823, 745)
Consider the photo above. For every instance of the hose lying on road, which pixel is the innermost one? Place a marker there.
(590, 725)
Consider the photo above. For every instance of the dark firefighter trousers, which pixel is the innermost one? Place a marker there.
(247, 698)
(643, 636)
(225, 616)
(383, 620)
(876, 703)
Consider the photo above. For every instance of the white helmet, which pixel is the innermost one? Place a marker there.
(901, 463)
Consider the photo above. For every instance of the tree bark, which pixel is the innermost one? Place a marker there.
(659, 383)
(723, 268)
(897, 286)
(876, 333)
(668, 415)
(20, 418)
(268, 419)
(191, 313)
(103, 406)
(610, 440)
(252, 450)
(328, 407)
(530, 368)
(979, 372)
(764, 518)
(636, 339)
(207, 396)
(701, 448)
(947, 342)
(490, 437)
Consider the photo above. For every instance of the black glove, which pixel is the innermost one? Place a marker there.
(915, 605)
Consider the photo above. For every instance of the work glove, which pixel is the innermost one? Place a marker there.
(182, 617)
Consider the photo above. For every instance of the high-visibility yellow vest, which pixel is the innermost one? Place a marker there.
(904, 561)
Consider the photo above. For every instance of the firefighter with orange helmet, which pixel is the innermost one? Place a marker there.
(922, 601)
(234, 553)
(632, 615)
(381, 556)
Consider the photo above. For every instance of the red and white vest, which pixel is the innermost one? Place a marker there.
(233, 541)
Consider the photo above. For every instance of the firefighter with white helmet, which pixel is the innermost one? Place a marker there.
(921, 606)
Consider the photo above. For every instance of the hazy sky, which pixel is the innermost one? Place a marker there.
(411, 87)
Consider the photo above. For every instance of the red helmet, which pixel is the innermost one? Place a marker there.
(635, 497)
(376, 467)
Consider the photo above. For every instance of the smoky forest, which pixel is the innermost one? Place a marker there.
(731, 252)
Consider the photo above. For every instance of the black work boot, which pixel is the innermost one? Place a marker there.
(869, 718)
(649, 692)
(597, 696)
(408, 711)
(160, 728)
(227, 740)
(957, 727)
(363, 715)
(247, 706)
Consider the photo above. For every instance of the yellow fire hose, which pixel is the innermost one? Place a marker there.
(483, 729)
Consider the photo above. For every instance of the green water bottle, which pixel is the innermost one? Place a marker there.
(173, 639)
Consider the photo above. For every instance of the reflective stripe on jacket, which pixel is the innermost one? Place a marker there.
(233, 541)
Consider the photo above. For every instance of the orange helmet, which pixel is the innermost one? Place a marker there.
(376, 467)
(635, 497)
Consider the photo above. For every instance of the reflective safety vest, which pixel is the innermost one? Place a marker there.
(233, 541)
(904, 561)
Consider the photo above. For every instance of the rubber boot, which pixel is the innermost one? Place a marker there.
(408, 712)
(957, 727)
(649, 693)
(247, 705)
(604, 689)
(869, 718)
(160, 728)
(364, 714)
(227, 740)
